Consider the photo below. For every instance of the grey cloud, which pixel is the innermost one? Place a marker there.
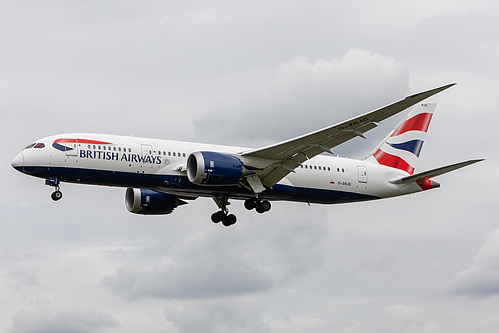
(298, 244)
(203, 266)
(45, 319)
(13, 263)
(241, 314)
(209, 264)
(403, 318)
(304, 96)
(481, 279)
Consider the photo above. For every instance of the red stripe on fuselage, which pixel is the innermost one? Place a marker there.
(420, 122)
(393, 161)
(82, 141)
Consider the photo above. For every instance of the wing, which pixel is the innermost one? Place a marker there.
(274, 162)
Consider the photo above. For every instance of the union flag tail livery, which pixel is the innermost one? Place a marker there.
(161, 175)
(401, 148)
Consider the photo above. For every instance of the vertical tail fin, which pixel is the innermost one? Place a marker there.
(401, 148)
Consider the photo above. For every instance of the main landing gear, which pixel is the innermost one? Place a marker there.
(223, 214)
(261, 206)
(55, 182)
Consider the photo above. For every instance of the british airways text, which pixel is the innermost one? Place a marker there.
(110, 156)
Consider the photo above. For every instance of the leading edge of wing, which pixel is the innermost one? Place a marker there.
(331, 136)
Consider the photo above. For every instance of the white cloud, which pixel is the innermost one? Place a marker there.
(306, 95)
(481, 279)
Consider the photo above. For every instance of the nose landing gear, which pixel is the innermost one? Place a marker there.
(54, 182)
(56, 195)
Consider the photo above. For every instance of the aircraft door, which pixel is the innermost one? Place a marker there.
(362, 170)
(71, 148)
(146, 150)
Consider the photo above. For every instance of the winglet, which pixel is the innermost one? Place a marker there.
(423, 95)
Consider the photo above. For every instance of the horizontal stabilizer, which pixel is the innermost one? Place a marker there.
(433, 173)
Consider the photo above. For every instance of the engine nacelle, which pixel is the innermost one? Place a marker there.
(148, 202)
(214, 169)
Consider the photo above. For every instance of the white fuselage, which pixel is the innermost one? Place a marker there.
(160, 165)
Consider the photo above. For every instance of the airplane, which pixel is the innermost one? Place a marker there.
(160, 175)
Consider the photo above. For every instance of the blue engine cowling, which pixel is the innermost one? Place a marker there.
(214, 169)
(148, 202)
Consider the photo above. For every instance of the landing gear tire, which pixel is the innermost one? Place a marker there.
(57, 195)
(263, 206)
(217, 217)
(226, 219)
(229, 220)
(249, 204)
(223, 214)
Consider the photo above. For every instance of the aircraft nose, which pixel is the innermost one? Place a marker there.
(18, 162)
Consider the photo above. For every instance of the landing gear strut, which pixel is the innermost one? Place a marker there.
(57, 194)
(223, 214)
(261, 206)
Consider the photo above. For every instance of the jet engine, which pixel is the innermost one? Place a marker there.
(214, 169)
(148, 202)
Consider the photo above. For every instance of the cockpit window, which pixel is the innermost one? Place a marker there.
(36, 145)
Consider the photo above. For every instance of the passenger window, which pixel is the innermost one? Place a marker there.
(119, 148)
(320, 168)
(114, 148)
(174, 154)
(94, 146)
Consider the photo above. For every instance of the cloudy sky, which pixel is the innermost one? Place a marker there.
(249, 73)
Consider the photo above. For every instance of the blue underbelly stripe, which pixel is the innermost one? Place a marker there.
(180, 185)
